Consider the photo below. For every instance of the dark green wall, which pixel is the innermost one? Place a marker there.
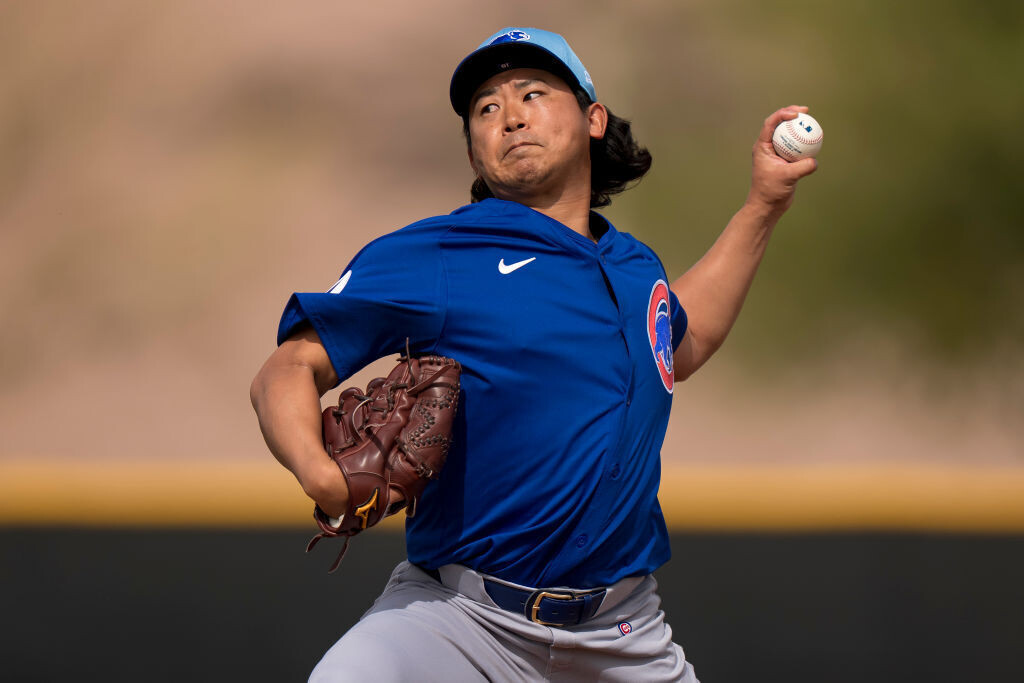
(239, 605)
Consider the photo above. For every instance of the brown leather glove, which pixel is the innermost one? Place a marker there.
(389, 442)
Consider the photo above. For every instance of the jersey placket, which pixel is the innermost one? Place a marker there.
(590, 526)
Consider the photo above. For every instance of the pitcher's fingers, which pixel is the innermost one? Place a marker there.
(777, 117)
(799, 169)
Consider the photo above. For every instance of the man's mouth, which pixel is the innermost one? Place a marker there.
(518, 145)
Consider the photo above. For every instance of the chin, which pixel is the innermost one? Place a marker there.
(526, 179)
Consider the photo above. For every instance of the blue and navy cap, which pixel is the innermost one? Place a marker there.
(518, 48)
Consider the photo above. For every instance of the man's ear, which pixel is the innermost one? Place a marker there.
(597, 117)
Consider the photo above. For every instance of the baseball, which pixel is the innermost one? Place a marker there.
(797, 138)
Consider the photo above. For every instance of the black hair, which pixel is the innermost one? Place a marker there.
(616, 160)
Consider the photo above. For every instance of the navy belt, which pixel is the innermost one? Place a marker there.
(549, 606)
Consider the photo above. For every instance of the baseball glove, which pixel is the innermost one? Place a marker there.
(389, 442)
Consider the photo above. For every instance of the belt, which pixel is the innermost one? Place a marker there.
(546, 606)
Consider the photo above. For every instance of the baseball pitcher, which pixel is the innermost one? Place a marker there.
(540, 350)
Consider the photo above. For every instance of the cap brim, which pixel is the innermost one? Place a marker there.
(488, 61)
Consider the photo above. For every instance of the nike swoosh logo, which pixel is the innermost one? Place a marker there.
(505, 270)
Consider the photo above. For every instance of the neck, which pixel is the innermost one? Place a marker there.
(571, 210)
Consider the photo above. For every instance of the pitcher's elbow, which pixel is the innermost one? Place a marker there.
(256, 391)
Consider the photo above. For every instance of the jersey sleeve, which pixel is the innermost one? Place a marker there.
(392, 290)
(679, 319)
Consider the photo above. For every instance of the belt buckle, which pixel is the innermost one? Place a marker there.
(535, 607)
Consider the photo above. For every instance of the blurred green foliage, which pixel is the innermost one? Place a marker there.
(912, 227)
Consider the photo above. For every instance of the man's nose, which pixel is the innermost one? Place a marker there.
(514, 119)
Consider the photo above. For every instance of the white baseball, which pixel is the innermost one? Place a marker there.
(797, 138)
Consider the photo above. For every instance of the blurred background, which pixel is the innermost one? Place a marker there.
(844, 481)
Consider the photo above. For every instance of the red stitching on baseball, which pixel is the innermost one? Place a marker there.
(785, 153)
(799, 136)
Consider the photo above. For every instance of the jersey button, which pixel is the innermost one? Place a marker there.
(581, 540)
(615, 472)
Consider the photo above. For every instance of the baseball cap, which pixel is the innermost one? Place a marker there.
(517, 48)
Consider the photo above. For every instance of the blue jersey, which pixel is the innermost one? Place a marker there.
(566, 348)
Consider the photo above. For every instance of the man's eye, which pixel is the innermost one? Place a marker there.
(488, 108)
(532, 95)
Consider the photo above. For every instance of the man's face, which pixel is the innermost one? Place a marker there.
(528, 136)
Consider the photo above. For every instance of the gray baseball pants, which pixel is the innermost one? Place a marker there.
(422, 630)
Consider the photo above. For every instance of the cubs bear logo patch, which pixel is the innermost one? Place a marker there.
(659, 332)
(513, 36)
(625, 628)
